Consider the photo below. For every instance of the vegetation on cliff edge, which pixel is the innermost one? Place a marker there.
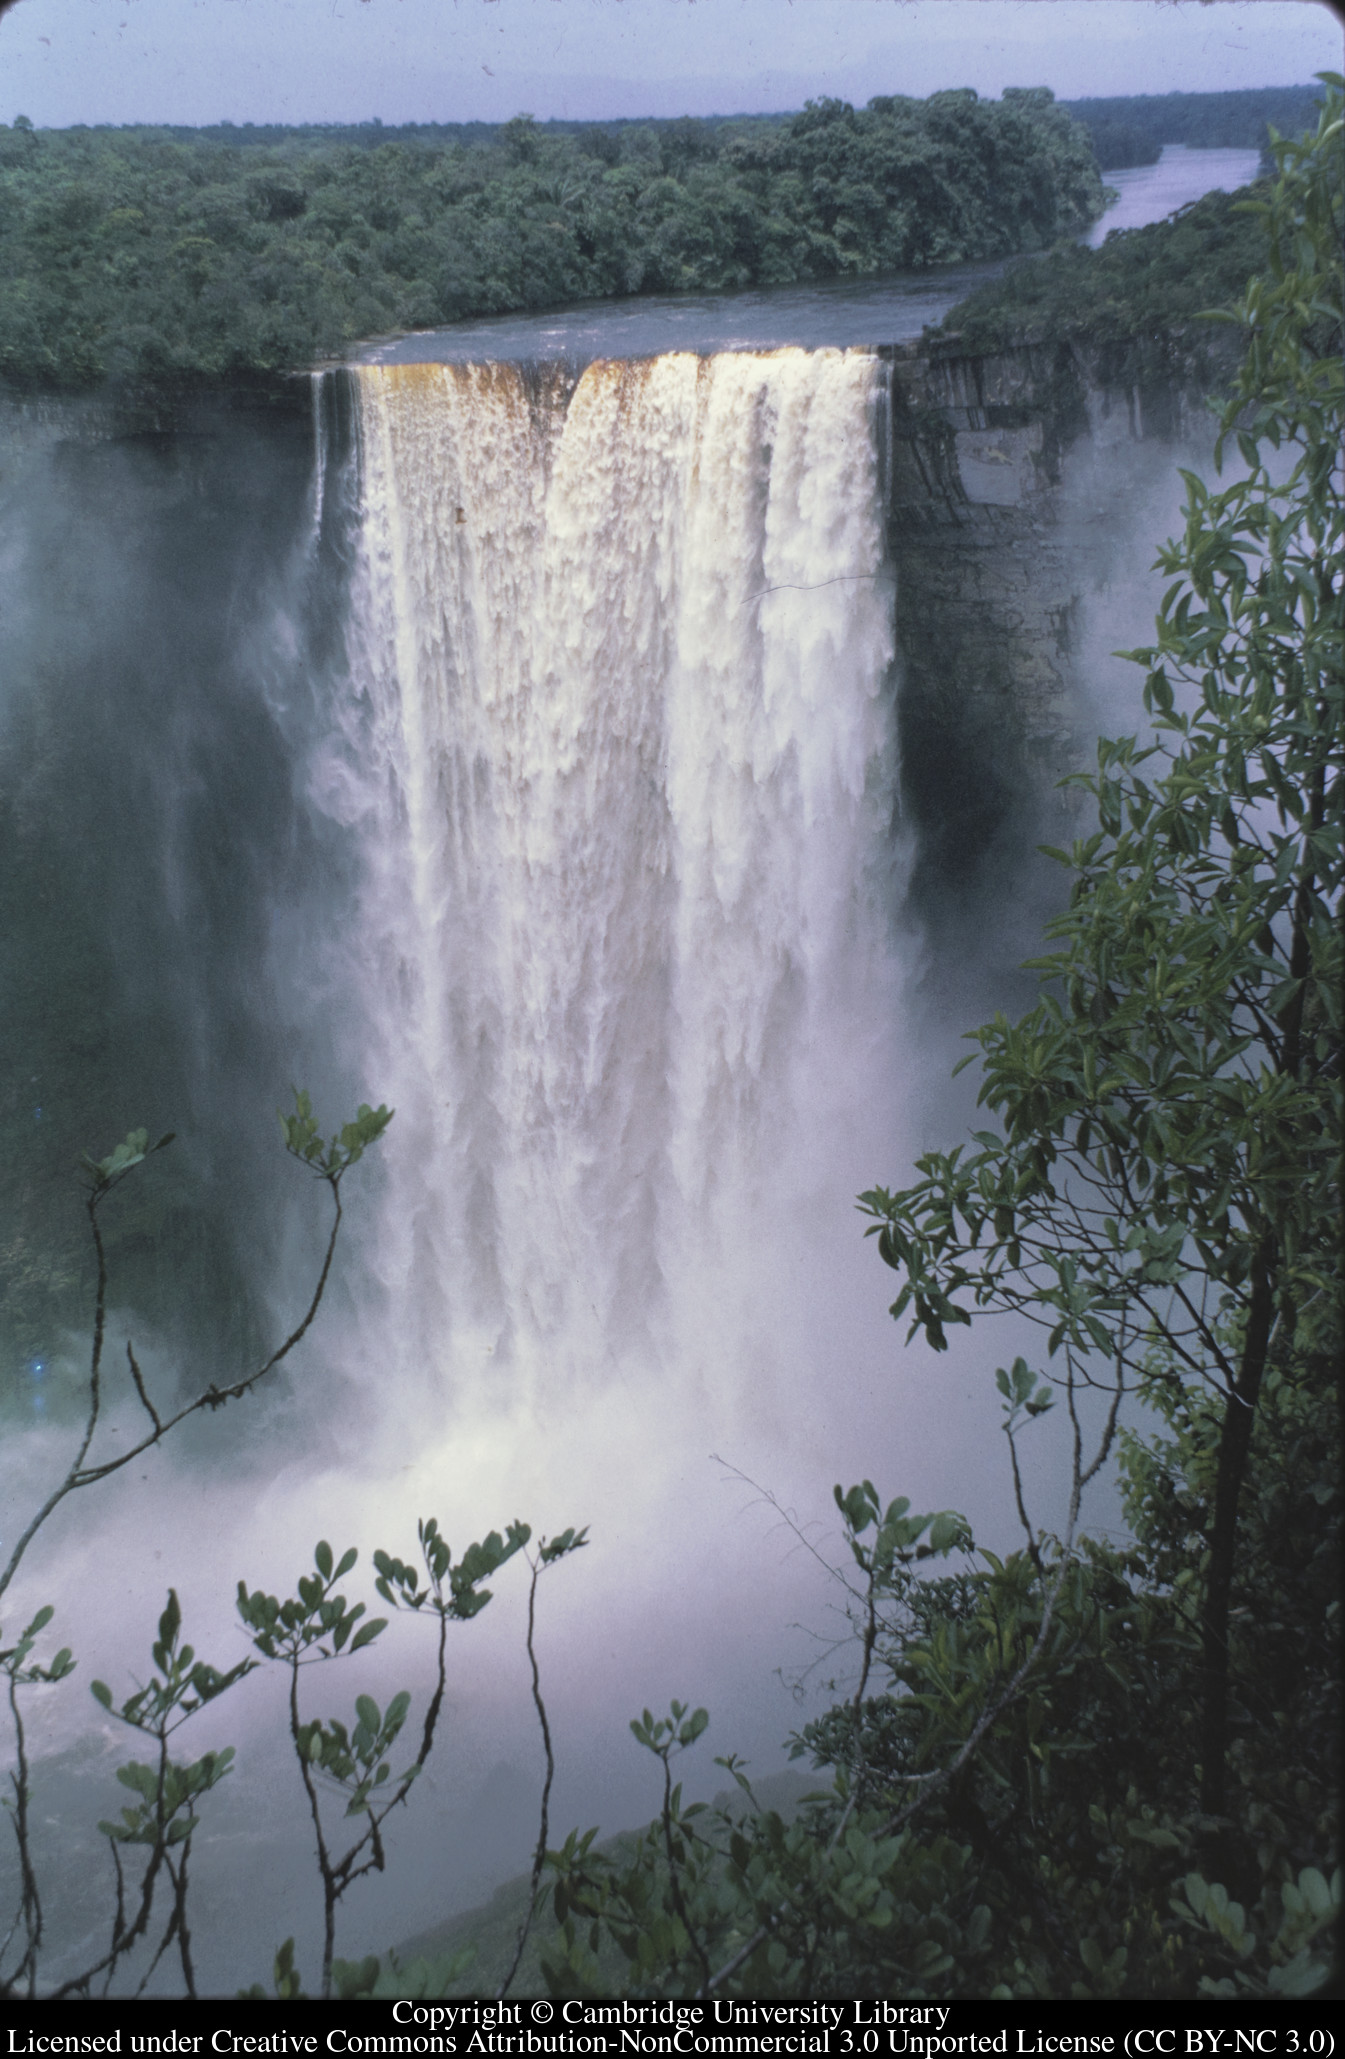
(135, 255)
(1139, 283)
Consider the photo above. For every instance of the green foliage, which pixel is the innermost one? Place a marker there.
(751, 1903)
(353, 1761)
(368, 1979)
(900, 1538)
(420, 1979)
(286, 1985)
(184, 1683)
(14, 1661)
(162, 1820)
(152, 256)
(132, 1151)
(1102, 1769)
(317, 1621)
(1202, 121)
(304, 1141)
(664, 1735)
(1311, 1906)
(1161, 1194)
(1139, 282)
(356, 1760)
(453, 1592)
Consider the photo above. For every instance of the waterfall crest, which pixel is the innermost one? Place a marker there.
(617, 746)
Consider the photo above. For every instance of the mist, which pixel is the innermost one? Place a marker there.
(384, 735)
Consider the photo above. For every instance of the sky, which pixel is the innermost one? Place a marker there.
(196, 61)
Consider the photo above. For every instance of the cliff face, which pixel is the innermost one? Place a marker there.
(146, 808)
(165, 623)
(1018, 486)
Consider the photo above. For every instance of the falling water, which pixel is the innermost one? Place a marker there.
(589, 683)
(618, 752)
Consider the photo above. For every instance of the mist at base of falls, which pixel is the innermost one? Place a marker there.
(520, 750)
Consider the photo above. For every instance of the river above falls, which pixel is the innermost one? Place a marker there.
(839, 313)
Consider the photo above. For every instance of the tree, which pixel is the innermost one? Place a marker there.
(1162, 1193)
(1076, 1735)
(350, 1764)
(1102, 1768)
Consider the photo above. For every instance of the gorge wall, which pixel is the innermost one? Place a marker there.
(177, 587)
(1020, 488)
(522, 749)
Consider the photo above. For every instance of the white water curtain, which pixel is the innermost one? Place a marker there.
(619, 748)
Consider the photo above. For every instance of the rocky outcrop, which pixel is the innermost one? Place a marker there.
(1009, 479)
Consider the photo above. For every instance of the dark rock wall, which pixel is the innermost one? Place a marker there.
(148, 827)
(148, 709)
(1010, 480)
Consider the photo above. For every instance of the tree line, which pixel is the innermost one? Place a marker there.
(1131, 128)
(1146, 283)
(138, 254)
(1145, 288)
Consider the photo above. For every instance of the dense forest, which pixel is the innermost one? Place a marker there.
(1154, 280)
(1142, 122)
(1132, 128)
(135, 253)
(1141, 281)
(162, 253)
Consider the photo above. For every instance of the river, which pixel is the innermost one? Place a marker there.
(520, 749)
(836, 312)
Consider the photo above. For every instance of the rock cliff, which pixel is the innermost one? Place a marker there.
(1017, 486)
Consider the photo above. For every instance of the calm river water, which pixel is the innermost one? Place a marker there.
(835, 312)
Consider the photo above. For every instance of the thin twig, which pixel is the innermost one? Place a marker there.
(149, 1407)
(79, 1475)
(30, 1908)
(940, 1780)
(539, 1854)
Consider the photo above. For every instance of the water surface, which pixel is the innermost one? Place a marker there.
(816, 314)
(1147, 192)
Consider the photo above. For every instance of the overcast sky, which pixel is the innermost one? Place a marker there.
(65, 61)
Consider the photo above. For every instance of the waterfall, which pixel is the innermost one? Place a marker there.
(529, 764)
(567, 796)
(617, 746)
